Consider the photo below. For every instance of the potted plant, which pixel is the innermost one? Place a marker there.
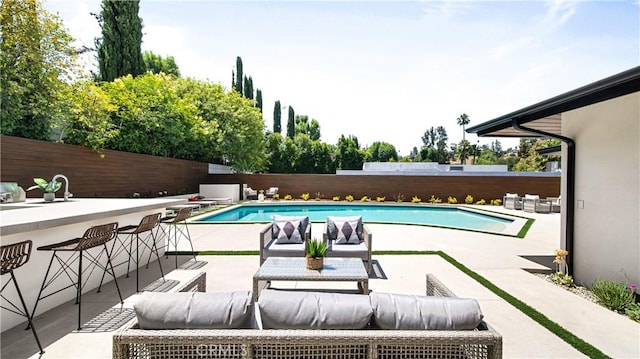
(315, 250)
(49, 188)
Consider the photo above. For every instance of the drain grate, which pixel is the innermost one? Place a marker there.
(108, 321)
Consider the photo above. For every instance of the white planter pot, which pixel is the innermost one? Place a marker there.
(49, 197)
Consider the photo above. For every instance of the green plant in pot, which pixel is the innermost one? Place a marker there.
(49, 188)
(315, 250)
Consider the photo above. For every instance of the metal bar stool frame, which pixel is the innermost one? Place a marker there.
(14, 256)
(179, 225)
(93, 237)
(132, 233)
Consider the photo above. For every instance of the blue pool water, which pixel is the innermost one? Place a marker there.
(453, 217)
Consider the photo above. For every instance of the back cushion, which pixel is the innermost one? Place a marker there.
(304, 221)
(313, 310)
(288, 232)
(411, 312)
(194, 310)
(345, 230)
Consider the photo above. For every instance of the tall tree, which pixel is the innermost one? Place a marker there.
(157, 64)
(277, 125)
(291, 123)
(259, 99)
(35, 59)
(248, 87)
(119, 51)
(463, 121)
(349, 155)
(239, 77)
(383, 152)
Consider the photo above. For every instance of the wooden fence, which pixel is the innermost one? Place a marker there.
(120, 174)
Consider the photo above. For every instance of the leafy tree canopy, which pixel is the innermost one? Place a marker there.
(156, 64)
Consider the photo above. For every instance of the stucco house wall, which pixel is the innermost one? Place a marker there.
(607, 189)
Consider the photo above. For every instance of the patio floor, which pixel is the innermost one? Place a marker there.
(497, 258)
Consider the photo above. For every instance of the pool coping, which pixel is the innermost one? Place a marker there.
(512, 229)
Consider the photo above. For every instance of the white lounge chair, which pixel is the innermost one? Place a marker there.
(512, 201)
(555, 203)
(271, 191)
(533, 203)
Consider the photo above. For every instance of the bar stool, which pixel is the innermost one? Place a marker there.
(68, 252)
(13, 257)
(131, 234)
(179, 226)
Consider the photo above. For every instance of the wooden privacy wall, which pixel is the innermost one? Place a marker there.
(120, 174)
(480, 187)
(117, 174)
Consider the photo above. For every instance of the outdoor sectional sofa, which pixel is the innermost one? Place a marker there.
(369, 342)
(359, 248)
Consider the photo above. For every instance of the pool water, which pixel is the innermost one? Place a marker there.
(454, 217)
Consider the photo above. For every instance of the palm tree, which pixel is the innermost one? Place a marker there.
(463, 120)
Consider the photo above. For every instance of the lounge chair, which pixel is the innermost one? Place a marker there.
(533, 203)
(555, 203)
(274, 244)
(337, 233)
(271, 191)
(512, 201)
(250, 193)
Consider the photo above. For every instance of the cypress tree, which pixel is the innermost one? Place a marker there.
(119, 51)
(291, 123)
(239, 75)
(277, 127)
(248, 87)
(259, 99)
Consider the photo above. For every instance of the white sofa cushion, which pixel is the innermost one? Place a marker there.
(345, 230)
(359, 250)
(274, 249)
(194, 310)
(313, 310)
(412, 312)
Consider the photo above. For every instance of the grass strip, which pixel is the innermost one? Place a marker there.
(553, 327)
(525, 228)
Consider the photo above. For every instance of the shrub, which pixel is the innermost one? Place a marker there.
(364, 199)
(452, 200)
(319, 196)
(348, 198)
(496, 202)
(380, 199)
(613, 295)
(415, 199)
(336, 198)
(481, 202)
(633, 312)
(288, 197)
(433, 199)
(305, 196)
(276, 196)
(562, 279)
(399, 198)
(468, 199)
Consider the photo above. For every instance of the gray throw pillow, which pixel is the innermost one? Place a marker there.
(288, 232)
(313, 310)
(194, 310)
(304, 221)
(412, 312)
(345, 230)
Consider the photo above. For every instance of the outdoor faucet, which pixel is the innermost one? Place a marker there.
(67, 194)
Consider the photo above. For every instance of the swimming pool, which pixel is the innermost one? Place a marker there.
(441, 216)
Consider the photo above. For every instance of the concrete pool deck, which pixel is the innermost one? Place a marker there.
(497, 258)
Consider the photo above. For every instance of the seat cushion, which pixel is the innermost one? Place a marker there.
(194, 310)
(288, 232)
(275, 249)
(313, 310)
(412, 312)
(359, 250)
(345, 230)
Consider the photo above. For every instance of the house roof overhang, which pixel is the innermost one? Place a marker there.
(546, 116)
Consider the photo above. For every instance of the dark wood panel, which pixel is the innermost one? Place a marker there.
(120, 174)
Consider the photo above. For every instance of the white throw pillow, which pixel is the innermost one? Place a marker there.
(531, 196)
(304, 222)
(288, 232)
(345, 230)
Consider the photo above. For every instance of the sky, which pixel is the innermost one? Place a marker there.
(387, 70)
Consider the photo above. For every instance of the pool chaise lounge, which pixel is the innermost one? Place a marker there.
(245, 335)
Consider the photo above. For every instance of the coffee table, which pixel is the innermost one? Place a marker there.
(294, 269)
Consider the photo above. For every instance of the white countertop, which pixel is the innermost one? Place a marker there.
(35, 214)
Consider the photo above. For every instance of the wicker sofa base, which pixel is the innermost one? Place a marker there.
(136, 343)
